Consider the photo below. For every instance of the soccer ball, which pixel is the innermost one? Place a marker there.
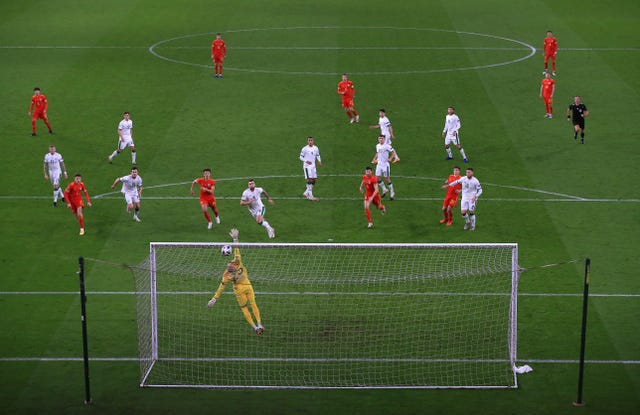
(226, 250)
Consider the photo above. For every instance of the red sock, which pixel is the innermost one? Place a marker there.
(215, 211)
(81, 220)
(349, 114)
(367, 213)
(33, 126)
(206, 215)
(355, 113)
(46, 121)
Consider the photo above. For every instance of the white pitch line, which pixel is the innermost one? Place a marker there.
(338, 293)
(311, 360)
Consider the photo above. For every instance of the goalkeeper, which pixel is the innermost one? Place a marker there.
(237, 274)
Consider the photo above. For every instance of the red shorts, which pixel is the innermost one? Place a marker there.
(210, 201)
(551, 55)
(376, 200)
(39, 114)
(450, 201)
(218, 58)
(547, 99)
(75, 205)
(347, 102)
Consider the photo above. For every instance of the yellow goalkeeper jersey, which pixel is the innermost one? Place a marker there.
(238, 278)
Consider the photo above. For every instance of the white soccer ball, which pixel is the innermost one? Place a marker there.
(226, 250)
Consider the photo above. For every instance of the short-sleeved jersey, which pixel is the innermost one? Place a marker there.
(452, 191)
(369, 184)
(130, 185)
(346, 89)
(39, 103)
(470, 187)
(451, 124)
(385, 126)
(218, 47)
(74, 191)
(577, 111)
(550, 45)
(125, 127)
(254, 197)
(53, 161)
(383, 151)
(310, 153)
(206, 184)
(547, 86)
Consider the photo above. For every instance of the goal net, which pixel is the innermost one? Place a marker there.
(335, 316)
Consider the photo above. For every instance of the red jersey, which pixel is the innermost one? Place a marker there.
(74, 191)
(218, 47)
(39, 103)
(547, 87)
(452, 191)
(369, 184)
(550, 45)
(346, 89)
(206, 184)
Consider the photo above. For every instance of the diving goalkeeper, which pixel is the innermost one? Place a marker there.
(237, 274)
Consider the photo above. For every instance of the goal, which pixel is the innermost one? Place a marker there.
(335, 316)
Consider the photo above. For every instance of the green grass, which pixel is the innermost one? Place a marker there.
(253, 124)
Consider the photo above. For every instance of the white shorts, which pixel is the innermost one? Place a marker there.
(128, 142)
(132, 198)
(467, 204)
(257, 211)
(451, 139)
(383, 170)
(54, 176)
(310, 172)
(387, 138)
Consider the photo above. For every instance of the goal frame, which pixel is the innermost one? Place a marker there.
(513, 307)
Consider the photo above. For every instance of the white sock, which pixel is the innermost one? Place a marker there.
(462, 153)
(115, 153)
(61, 193)
(391, 187)
(133, 157)
(449, 152)
(466, 218)
(473, 220)
(383, 187)
(55, 196)
(265, 224)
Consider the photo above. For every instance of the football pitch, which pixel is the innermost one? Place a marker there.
(558, 199)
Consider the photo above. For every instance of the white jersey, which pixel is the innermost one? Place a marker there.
(385, 127)
(254, 197)
(310, 154)
(451, 125)
(53, 161)
(130, 185)
(470, 187)
(125, 128)
(383, 151)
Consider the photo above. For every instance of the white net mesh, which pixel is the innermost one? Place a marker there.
(335, 316)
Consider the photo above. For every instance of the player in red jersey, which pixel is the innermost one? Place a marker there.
(38, 109)
(547, 88)
(73, 195)
(348, 92)
(207, 199)
(369, 187)
(218, 53)
(451, 199)
(550, 50)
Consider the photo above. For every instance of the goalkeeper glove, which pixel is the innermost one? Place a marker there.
(211, 302)
(234, 234)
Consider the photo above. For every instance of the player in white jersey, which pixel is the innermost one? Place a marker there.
(132, 190)
(54, 168)
(450, 133)
(252, 199)
(471, 191)
(384, 154)
(125, 138)
(385, 126)
(308, 156)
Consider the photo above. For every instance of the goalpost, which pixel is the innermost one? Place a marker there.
(335, 316)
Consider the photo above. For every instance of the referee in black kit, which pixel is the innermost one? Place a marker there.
(577, 112)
